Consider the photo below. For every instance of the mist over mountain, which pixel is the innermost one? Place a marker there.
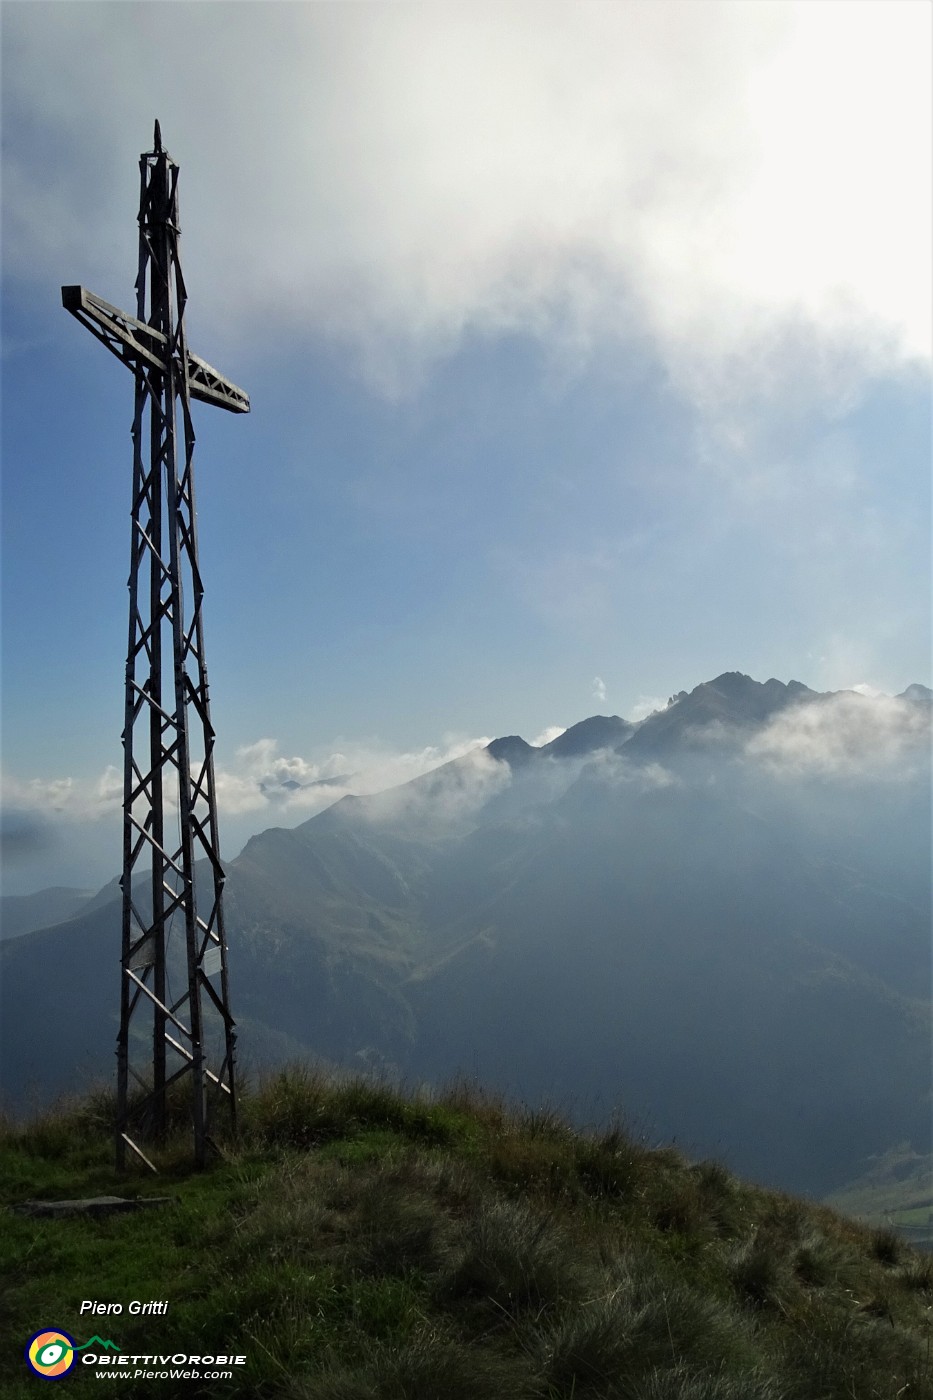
(715, 921)
(21, 913)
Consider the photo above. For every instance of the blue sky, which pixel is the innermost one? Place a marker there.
(589, 354)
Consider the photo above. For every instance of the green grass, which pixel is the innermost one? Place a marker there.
(360, 1244)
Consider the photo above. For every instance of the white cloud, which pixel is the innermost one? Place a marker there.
(65, 798)
(450, 796)
(646, 705)
(614, 768)
(599, 690)
(60, 831)
(67, 830)
(263, 781)
(548, 735)
(260, 782)
(848, 734)
(723, 180)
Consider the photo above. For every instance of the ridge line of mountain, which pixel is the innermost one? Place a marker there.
(733, 695)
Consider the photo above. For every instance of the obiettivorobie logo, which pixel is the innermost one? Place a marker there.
(51, 1353)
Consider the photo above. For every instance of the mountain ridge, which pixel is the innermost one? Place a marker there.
(603, 919)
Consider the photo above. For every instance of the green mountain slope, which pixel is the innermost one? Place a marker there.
(359, 1244)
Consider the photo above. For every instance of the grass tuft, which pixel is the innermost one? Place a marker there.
(886, 1246)
(513, 1258)
(759, 1273)
(814, 1261)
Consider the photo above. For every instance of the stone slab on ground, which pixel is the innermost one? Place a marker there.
(91, 1205)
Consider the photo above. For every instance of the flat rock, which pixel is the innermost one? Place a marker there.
(91, 1205)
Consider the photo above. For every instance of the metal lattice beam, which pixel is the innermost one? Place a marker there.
(169, 799)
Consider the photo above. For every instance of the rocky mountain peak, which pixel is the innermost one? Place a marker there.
(512, 749)
(590, 735)
(920, 694)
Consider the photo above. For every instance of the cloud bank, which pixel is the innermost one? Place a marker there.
(847, 735)
(726, 184)
(263, 781)
(261, 787)
(72, 827)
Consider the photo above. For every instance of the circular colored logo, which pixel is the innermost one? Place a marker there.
(51, 1353)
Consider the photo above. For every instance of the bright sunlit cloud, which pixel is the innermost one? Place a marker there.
(263, 780)
(851, 734)
(547, 735)
(646, 705)
(722, 179)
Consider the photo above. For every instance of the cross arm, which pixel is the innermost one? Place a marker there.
(210, 386)
(135, 344)
(130, 340)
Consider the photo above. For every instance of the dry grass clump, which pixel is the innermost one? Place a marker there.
(886, 1246)
(759, 1273)
(515, 1258)
(815, 1260)
(610, 1166)
(643, 1323)
(304, 1107)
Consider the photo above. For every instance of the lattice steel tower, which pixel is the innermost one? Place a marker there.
(169, 800)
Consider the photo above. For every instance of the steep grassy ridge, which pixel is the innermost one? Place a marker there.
(357, 1244)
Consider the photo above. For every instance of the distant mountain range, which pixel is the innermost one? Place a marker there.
(714, 922)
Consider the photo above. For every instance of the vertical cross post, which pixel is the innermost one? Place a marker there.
(175, 1019)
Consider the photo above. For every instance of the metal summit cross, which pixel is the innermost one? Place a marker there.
(166, 1034)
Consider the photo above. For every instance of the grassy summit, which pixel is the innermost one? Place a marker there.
(357, 1243)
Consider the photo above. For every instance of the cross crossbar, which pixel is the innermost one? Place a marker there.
(137, 344)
